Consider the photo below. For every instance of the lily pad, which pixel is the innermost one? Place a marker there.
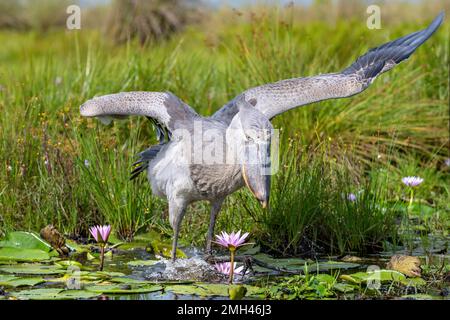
(296, 264)
(6, 277)
(25, 240)
(35, 269)
(69, 263)
(19, 282)
(381, 275)
(210, 289)
(26, 255)
(124, 288)
(141, 263)
(332, 265)
(53, 294)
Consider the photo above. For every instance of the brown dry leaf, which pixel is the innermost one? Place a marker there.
(408, 265)
(349, 258)
(55, 238)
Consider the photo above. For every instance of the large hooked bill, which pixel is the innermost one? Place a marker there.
(256, 170)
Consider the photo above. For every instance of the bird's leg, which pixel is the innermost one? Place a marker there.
(215, 208)
(176, 213)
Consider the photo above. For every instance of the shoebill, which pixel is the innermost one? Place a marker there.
(233, 147)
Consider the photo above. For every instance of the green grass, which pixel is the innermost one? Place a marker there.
(400, 124)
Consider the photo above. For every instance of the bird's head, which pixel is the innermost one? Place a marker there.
(253, 134)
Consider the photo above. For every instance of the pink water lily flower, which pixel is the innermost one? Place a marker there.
(412, 181)
(232, 240)
(225, 268)
(101, 233)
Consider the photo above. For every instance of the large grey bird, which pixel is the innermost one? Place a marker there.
(208, 158)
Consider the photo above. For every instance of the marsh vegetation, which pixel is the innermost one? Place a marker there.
(58, 168)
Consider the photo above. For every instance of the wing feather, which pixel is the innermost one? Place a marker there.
(275, 98)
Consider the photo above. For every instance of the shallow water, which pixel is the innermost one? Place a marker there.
(194, 270)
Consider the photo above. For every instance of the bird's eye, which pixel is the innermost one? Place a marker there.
(250, 139)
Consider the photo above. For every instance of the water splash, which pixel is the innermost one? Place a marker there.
(193, 269)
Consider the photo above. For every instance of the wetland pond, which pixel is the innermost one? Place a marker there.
(31, 269)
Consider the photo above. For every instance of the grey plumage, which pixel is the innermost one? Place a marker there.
(239, 126)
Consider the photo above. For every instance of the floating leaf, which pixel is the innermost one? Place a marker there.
(376, 275)
(19, 282)
(26, 255)
(209, 289)
(69, 263)
(136, 263)
(250, 251)
(6, 277)
(414, 282)
(133, 245)
(128, 280)
(124, 288)
(36, 294)
(32, 269)
(108, 274)
(25, 240)
(53, 294)
(332, 265)
(76, 294)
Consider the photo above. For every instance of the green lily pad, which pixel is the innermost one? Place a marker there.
(36, 294)
(291, 264)
(19, 282)
(6, 277)
(25, 240)
(53, 294)
(107, 274)
(127, 280)
(210, 289)
(381, 275)
(142, 263)
(414, 282)
(76, 294)
(132, 245)
(26, 255)
(249, 250)
(332, 265)
(124, 288)
(34, 269)
(296, 264)
(69, 263)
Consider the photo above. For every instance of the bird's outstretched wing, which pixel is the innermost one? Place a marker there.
(275, 98)
(164, 109)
